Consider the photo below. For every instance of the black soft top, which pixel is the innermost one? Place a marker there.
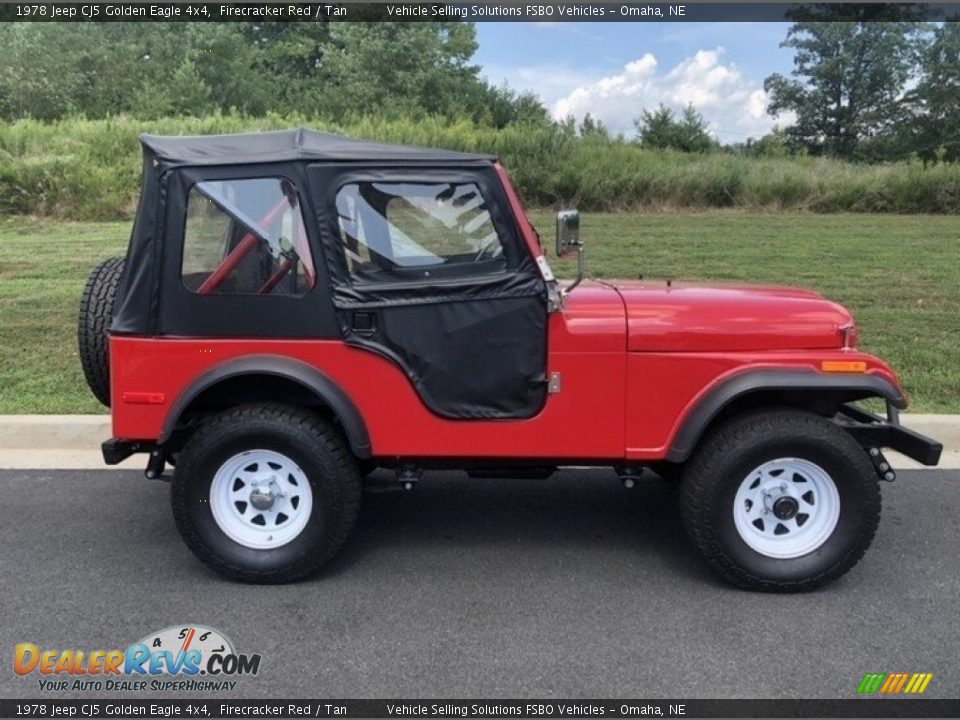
(138, 299)
(288, 145)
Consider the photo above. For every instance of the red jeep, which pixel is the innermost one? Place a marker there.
(297, 309)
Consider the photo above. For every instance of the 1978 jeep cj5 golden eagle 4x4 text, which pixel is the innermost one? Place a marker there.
(296, 309)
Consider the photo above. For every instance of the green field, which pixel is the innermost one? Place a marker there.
(899, 274)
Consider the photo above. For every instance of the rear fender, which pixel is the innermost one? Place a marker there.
(309, 378)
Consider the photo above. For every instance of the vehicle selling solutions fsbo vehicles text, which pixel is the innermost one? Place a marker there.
(481, 11)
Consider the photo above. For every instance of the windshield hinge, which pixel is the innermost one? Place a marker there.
(553, 387)
(554, 298)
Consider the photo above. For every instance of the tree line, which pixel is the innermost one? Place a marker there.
(328, 70)
(872, 89)
(868, 91)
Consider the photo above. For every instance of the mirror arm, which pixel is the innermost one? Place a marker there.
(569, 289)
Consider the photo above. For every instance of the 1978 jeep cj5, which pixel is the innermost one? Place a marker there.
(297, 309)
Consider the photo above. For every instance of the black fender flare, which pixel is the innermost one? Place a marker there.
(279, 366)
(713, 402)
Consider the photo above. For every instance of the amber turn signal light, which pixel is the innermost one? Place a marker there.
(850, 366)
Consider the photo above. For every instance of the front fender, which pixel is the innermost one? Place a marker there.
(845, 387)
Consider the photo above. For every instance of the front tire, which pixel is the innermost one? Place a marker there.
(780, 500)
(265, 493)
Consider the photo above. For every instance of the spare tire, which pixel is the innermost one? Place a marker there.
(96, 314)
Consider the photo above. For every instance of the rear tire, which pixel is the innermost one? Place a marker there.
(96, 314)
(265, 493)
(780, 500)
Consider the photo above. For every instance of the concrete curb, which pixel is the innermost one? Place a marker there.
(73, 441)
(53, 432)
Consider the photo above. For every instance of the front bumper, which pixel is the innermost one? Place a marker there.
(873, 431)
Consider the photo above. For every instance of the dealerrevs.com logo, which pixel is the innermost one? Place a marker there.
(177, 658)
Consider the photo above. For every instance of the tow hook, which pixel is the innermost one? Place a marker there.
(155, 466)
(408, 476)
(629, 475)
(881, 465)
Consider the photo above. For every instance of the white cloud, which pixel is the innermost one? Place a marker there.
(548, 81)
(733, 105)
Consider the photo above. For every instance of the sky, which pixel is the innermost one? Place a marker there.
(614, 70)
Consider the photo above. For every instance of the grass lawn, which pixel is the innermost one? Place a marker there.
(899, 274)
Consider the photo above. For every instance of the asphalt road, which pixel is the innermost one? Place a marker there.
(571, 587)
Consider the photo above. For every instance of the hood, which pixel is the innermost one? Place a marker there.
(690, 317)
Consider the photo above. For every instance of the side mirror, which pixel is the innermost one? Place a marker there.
(568, 232)
(568, 241)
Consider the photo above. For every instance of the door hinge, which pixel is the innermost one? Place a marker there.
(553, 387)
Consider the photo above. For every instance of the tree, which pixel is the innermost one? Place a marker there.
(37, 72)
(774, 144)
(847, 80)
(285, 66)
(378, 67)
(694, 136)
(656, 129)
(935, 102)
(499, 106)
(660, 129)
(593, 128)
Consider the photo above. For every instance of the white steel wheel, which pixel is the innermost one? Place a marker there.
(786, 508)
(261, 499)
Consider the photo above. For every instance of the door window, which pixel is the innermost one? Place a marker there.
(409, 231)
(246, 237)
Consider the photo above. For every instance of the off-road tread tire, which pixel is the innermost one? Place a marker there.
(96, 314)
(708, 467)
(318, 438)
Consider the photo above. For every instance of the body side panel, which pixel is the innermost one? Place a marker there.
(584, 420)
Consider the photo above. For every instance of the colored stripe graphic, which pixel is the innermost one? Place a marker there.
(895, 683)
(918, 683)
(890, 683)
(871, 682)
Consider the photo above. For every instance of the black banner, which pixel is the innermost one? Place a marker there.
(510, 11)
(101, 708)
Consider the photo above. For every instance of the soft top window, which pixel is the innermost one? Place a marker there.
(246, 237)
(395, 231)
